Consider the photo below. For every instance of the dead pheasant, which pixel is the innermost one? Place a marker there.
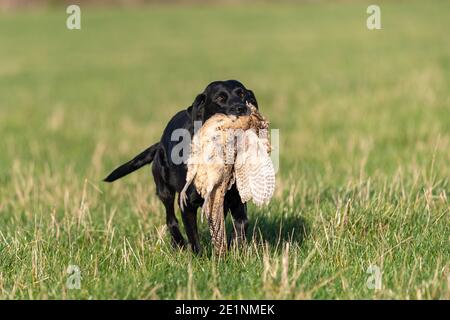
(217, 161)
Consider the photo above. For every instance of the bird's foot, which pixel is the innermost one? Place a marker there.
(183, 200)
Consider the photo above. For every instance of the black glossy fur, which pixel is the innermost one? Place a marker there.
(227, 97)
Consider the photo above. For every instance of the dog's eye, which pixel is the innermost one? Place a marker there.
(221, 97)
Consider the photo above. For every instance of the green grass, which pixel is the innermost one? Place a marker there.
(364, 119)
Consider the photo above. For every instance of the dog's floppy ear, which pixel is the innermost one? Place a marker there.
(197, 109)
(252, 98)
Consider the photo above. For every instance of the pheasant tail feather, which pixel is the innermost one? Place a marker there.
(216, 219)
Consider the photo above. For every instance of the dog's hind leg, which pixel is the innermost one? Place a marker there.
(172, 222)
(167, 196)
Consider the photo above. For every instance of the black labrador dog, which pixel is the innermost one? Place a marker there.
(227, 97)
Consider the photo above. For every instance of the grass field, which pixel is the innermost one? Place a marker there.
(364, 119)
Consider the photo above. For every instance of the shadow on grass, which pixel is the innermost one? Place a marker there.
(276, 229)
(273, 229)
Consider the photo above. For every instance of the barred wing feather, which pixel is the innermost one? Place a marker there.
(255, 175)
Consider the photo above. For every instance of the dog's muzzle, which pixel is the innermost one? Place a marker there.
(240, 109)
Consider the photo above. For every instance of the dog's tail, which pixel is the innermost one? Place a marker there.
(139, 161)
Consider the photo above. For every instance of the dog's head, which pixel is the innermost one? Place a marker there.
(228, 97)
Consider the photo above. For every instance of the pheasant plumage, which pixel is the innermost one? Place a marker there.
(217, 161)
(254, 172)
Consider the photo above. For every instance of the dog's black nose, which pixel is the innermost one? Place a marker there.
(241, 109)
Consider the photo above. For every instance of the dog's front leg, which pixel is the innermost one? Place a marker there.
(240, 224)
(189, 216)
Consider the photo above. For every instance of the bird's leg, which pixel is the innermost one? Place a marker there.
(183, 196)
(205, 210)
